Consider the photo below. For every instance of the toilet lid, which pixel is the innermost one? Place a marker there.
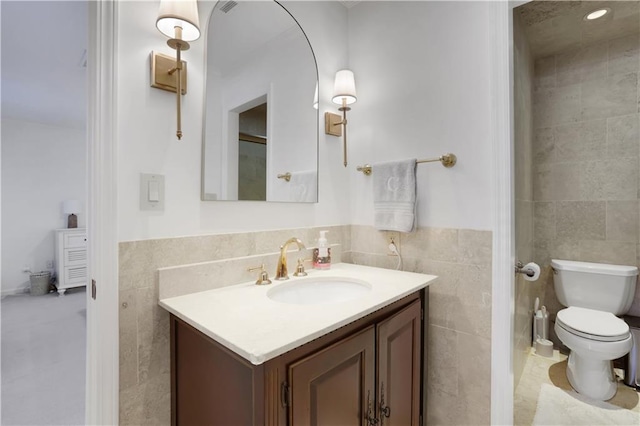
(592, 324)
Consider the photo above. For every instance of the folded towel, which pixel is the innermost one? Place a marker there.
(304, 187)
(394, 195)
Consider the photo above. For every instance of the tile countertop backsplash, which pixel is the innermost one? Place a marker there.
(245, 320)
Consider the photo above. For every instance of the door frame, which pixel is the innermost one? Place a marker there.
(102, 379)
(503, 293)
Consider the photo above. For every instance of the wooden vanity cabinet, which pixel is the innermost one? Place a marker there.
(332, 387)
(369, 369)
(337, 385)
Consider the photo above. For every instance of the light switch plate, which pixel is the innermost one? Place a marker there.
(151, 188)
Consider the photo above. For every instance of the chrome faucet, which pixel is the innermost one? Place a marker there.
(281, 270)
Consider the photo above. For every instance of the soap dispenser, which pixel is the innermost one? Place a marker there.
(322, 254)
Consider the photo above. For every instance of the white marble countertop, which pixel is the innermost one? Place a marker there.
(246, 321)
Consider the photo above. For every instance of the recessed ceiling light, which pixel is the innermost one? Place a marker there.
(596, 14)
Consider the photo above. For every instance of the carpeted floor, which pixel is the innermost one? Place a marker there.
(43, 359)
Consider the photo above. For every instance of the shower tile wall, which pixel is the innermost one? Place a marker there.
(585, 158)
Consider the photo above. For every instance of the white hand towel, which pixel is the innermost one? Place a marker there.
(394, 195)
(304, 186)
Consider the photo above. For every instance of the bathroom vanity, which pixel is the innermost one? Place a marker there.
(240, 355)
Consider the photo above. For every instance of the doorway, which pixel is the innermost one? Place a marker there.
(252, 154)
(44, 177)
(576, 139)
(246, 148)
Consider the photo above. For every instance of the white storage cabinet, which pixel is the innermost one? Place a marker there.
(71, 258)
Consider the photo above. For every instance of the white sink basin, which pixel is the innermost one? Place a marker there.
(313, 291)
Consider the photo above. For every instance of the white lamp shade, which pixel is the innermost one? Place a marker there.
(315, 97)
(344, 87)
(179, 13)
(71, 207)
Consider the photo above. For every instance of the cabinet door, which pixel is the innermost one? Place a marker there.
(209, 387)
(75, 239)
(399, 354)
(331, 387)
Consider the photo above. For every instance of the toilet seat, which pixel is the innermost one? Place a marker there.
(592, 324)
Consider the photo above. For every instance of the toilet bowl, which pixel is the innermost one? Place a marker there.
(594, 294)
(595, 338)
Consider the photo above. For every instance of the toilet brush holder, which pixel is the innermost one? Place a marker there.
(544, 347)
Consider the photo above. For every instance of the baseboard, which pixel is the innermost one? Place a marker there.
(14, 291)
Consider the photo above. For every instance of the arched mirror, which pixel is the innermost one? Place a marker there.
(260, 136)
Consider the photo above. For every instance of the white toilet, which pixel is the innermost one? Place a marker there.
(594, 294)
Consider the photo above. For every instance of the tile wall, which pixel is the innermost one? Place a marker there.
(460, 310)
(144, 326)
(585, 157)
(459, 358)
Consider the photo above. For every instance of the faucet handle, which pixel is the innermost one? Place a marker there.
(263, 278)
(300, 272)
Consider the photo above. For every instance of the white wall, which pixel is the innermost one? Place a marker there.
(422, 74)
(42, 166)
(147, 143)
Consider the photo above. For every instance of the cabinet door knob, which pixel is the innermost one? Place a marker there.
(385, 411)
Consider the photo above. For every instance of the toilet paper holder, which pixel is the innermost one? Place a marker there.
(520, 269)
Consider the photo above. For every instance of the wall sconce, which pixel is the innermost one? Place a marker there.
(71, 207)
(178, 20)
(344, 93)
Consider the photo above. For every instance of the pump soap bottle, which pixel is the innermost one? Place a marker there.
(322, 255)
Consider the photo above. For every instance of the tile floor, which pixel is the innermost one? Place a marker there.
(43, 344)
(540, 370)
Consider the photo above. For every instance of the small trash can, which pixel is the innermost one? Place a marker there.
(40, 283)
(632, 370)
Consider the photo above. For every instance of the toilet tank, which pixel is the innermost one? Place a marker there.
(600, 286)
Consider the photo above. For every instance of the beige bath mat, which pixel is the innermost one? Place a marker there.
(559, 407)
